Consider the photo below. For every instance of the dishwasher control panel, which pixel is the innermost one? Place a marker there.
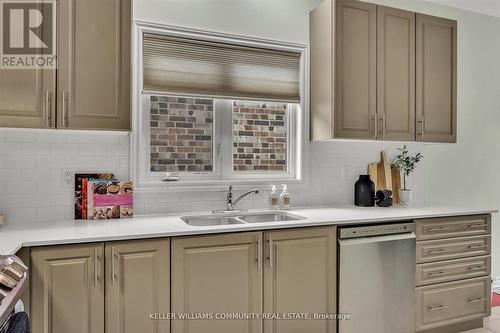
(376, 230)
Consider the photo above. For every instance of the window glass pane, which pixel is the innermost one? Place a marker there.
(181, 134)
(259, 137)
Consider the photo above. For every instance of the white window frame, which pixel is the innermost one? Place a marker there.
(297, 150)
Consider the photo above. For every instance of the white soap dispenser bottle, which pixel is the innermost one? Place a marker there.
(274, 197)
(285, 197)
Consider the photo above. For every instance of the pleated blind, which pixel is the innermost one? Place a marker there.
(194, 67)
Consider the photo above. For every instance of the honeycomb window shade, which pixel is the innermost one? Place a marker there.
(183, 66)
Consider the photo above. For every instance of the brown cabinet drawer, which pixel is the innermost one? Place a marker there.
(452, 270)
(453, 302)
(453, 248)
(449, 227)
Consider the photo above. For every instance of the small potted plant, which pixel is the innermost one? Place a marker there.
(406, 164)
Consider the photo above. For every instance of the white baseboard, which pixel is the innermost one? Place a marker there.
(496, 283)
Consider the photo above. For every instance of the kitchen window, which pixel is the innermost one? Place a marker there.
(214, 112)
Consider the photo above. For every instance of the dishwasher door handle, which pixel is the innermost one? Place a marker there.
(377, 239)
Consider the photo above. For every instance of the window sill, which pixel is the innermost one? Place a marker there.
(216, 185)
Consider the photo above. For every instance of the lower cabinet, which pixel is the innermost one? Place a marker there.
(217, 274)
(79, 288)
(137, 285)
(300, 277)
(277, 272)
(67, 289)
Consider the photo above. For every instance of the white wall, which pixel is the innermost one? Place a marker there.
(271, 19)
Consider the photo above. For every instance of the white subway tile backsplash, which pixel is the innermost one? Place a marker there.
(10, 148)
(51, 137)
(20, 136)
(35, 148)
(64, 149)
(20, 162)
(79, 138)
(31, 166)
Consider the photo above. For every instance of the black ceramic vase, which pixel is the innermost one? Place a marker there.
(364, 192)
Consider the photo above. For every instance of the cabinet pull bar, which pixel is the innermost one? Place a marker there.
(477, 300)
(438, 229)
(473, 226)
(436, 251)
(479, 246)
(270, 251)
(64, 109)
(96, 258)
(422, 126)
(259, 252)
(436, 308)
(47, 108)
(437, 273)
(112, 265)
(383, 124)
(375, 120)
(477, 268)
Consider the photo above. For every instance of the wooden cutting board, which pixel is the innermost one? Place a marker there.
(396, 184)
(385, 177)
(381, 173)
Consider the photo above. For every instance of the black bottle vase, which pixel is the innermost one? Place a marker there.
(364, 192)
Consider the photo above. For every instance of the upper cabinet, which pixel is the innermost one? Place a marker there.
(92, 75)
(436, 79)
(395, 74)
(94, 64)
(381, 73)
(355, 62)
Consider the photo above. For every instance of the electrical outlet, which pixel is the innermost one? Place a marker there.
(67, 177)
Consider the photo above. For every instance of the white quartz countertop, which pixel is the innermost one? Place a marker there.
(13, 236)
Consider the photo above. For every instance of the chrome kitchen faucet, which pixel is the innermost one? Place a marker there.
(229, 199)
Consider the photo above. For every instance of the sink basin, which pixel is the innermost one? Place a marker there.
(209, 220)
(235, 217)
(270, 217)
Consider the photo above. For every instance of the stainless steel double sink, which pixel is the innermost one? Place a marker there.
(218, 219)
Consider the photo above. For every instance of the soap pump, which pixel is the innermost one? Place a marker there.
(285, 197)
(274, 197)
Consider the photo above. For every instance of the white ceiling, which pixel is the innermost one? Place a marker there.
(489, 7)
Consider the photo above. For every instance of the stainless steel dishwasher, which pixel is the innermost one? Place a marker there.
(377, 278)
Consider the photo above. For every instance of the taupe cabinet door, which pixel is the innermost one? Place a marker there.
(27, 98)
(67, 291)
(94, 64)
(356, 70)
(217, 274)
(300, 277)
(137, 284)
(436, 90)
(395, 74)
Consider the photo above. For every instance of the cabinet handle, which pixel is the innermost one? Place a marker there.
(64, 109)
(270, 240)
(422, 126)
(436, 273)
(438, 229)
(473, 226)
(477, 300)
(436, 308)
(476, 268)
(375, 127)
(47, 108)
(112, 265)
(478, 246)
(96, 267)
(383, 124)
(436, 251)
(259, 252)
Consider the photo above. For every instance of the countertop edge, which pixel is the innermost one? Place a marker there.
(185, 230)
